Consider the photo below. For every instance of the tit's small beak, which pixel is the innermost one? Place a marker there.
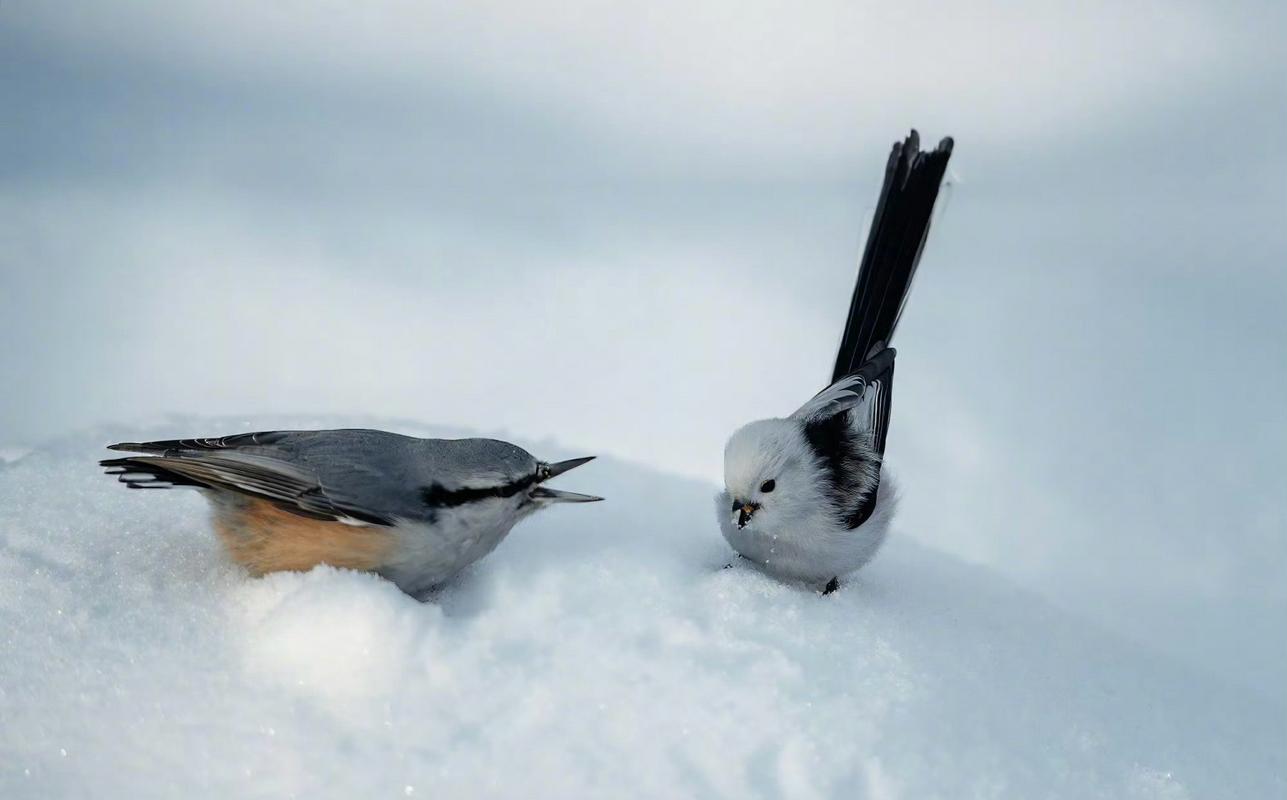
(744, 514)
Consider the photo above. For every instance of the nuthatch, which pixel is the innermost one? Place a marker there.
(416, 511)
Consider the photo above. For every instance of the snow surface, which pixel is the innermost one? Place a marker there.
(601, 650)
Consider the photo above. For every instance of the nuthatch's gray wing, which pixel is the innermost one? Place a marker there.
(346, 475)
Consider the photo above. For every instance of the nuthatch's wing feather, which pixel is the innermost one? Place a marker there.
(287, 485)
(353, 475)
(239, 441)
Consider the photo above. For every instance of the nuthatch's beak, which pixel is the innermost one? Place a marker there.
(546, 471)
(744, 514)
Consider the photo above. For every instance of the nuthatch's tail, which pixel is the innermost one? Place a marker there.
(898, 232)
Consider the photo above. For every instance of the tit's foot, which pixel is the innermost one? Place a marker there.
(831, 586)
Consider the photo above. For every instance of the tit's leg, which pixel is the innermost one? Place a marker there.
(729, 565)
(831, 586)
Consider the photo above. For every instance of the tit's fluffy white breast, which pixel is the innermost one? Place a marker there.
(810, 544)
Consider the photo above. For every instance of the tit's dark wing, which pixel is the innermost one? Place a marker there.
(266, 465)
(878, 399)
(848, 432)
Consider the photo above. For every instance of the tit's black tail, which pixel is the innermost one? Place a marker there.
(898, 232)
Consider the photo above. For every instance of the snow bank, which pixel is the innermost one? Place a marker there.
(601, 650)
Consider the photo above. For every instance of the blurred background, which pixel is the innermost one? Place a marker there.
(630, 228)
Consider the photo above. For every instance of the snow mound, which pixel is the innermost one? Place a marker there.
(602, 650)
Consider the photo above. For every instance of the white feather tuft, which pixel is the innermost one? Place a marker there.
(839, 396)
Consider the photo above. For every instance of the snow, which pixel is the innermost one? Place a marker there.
(8, 454)
(601, 650)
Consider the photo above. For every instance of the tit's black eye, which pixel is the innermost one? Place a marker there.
(768, 486)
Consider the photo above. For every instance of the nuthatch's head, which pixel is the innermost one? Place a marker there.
(542, 495)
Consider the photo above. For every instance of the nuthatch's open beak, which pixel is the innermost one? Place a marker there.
(744, 514)
(546, 471)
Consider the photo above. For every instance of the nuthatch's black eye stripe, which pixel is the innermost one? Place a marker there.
(768, 486)
(435, 495)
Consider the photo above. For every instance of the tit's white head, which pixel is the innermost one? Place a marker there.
(771, 474)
